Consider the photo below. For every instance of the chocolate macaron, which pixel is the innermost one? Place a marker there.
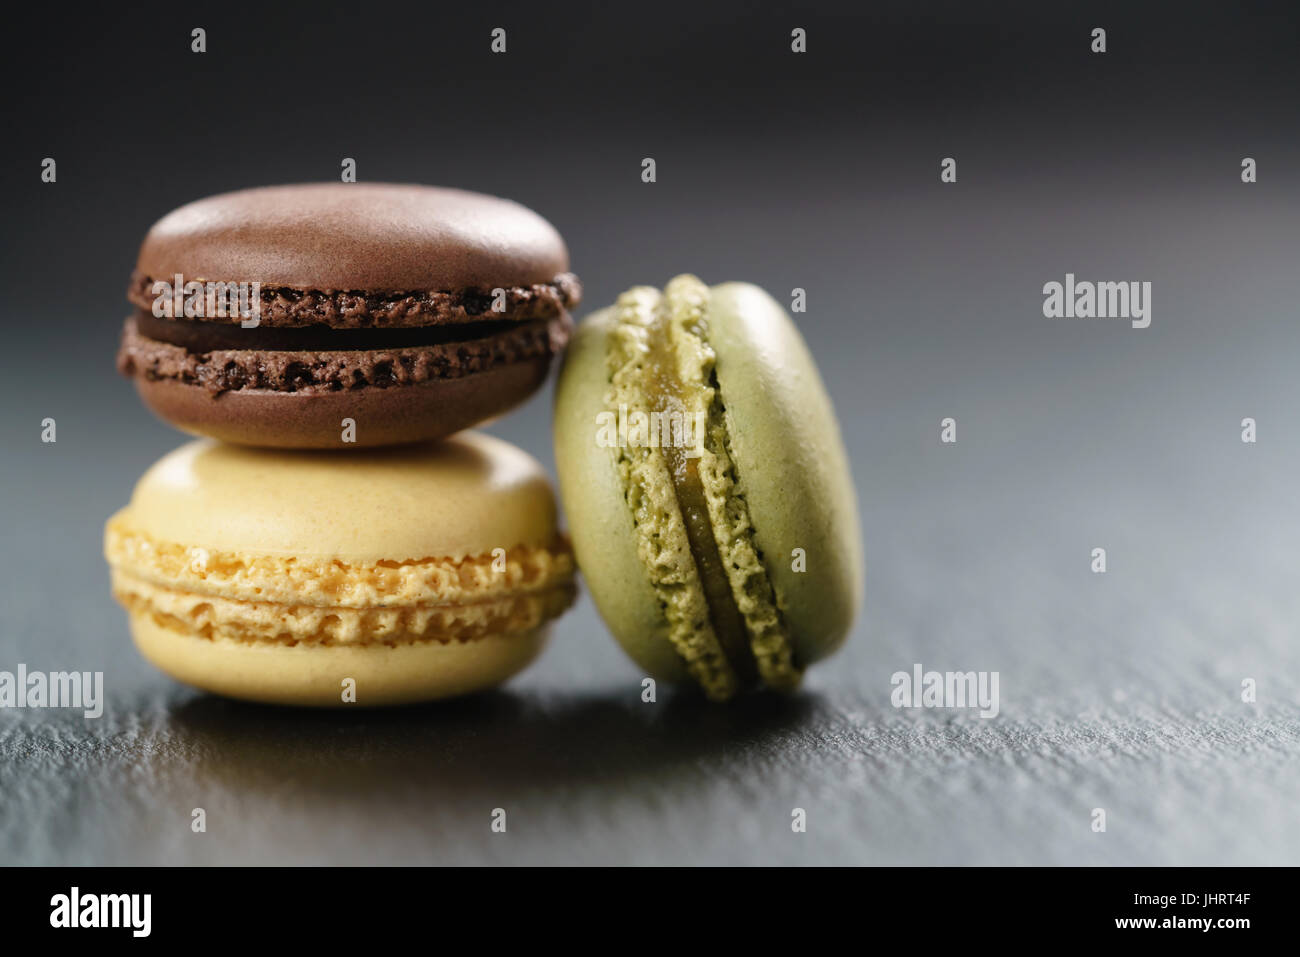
(335, 315)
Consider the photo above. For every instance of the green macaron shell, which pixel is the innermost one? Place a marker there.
(786, 445)
(773, 474)
(599, 520)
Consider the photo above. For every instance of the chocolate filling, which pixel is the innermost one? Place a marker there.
(724, 614)
(333, 370)
(358, 309)
(198, 336)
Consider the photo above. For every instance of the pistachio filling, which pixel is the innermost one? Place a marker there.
(665, 393)
(690, 514)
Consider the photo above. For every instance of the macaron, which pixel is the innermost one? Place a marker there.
(707, 488)
(335, 578)
(344, 315)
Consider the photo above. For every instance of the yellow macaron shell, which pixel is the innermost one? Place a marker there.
(427, 570)
(464, 496)
(313, 677)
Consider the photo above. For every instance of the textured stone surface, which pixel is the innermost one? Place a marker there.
(1118, 691)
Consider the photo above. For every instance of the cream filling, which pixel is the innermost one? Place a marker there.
(689, 510)
(271, 598)
(216, 618)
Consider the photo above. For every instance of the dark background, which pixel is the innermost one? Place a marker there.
(819, 171)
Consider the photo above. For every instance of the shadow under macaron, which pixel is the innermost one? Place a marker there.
(491, 743)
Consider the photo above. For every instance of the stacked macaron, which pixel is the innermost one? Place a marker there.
(268, 316)
(336, 538)
(327, 542)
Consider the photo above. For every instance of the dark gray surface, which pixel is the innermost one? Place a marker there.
(1119, 691)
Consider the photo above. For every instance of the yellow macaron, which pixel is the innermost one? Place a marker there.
(377, 577)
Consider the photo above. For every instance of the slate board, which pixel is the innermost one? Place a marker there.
(1119, 691)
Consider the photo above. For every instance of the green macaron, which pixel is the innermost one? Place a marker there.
(706, 486)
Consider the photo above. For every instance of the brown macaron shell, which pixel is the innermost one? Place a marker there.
(412, 413)
(356, 236)
(336, 260)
